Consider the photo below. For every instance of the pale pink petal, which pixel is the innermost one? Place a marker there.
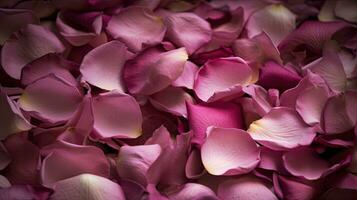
(224, 115)
(346, 9)
(289, 97)
(87, 186)
(116, 115)
(26, 45)
(171, 99)
(25, 158)
(187, 78)
(335, 117)
(194, 167)
(247, 188)
(305, 162)
(75, 36)
(260, 98)
(220, 78)
(229, 151)
(51, 98)
(187, 30)
(191, 191)
(330, 68)
(137, 26)
(259, 49)
(154, 70)
(73, 160)
(46, 65)
(282, 128)
(293, 188)
(14, 20)
(275, 20)
(271, 160)
(11, 119)
(134, 161)
(102, 67)
(310, 104)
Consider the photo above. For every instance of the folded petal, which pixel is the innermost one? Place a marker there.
(194, 167)
(273, 75)
(171, 99)
(26, 45)
(116, 115)
(154, 70)
(221, 78)
(14, 20)
(86, 26)
(224, 115)
(305, 162)
(102, 66)
(134, 161)
(187, 78)
(64, 160)
(275, 20)
(137, 26)
(25, 158)
(345, 9)
(246, 187)
(87, 186)
(11, 119)
(293, 188)
(240, 154)
(46, 65)
(51, 98)
(310, 104)
(187, 30)
(330, 68)
(193, 191)
(282, 128)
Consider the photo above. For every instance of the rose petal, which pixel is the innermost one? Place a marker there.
(292, 188)
(187, 78)
(46, 65)
(240, 154)
(74, 160)
(25, 158)
(246, 187)
(345, 9)
(193, 191)
(327, 13)
(305, 162)
(116, 115)
(187, 30)
(273, 75)
(154, 70)
(282, 128)
(51, 98)
(14, 20)
(224, 115)
(26, 45)
(11, 119)
(134, 161)
(25, 192)
(137, 26)
(221, 78)
(102, 67)
(74, 35)
(87, 186)
(271, 160)
(310, 104)
(194, 167)
(275, 20)
(172, 100)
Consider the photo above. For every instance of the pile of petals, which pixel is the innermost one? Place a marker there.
(178, 99)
